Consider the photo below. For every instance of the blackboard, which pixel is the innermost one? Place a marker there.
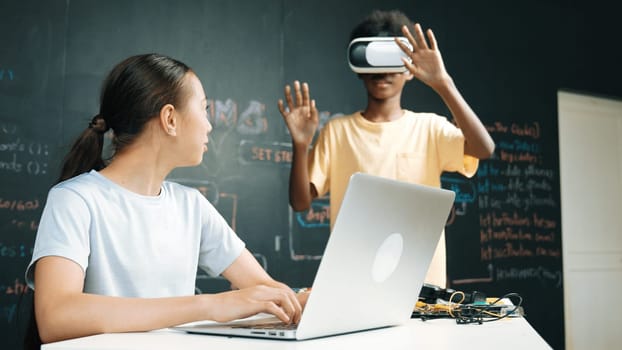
(503, 234)
(30, 109)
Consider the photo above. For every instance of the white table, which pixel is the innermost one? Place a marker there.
(515, 333)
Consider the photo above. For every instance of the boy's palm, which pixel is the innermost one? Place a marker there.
(301, 116)
(302, 123)
(426, 62)
(427, 66)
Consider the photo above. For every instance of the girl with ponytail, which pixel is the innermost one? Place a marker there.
(118, 246)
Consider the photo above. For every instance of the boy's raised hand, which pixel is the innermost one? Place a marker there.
(426, 62)
(301, 115)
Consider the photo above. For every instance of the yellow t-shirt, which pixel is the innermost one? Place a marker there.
(416, 148)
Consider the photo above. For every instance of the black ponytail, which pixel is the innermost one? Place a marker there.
(86, 152)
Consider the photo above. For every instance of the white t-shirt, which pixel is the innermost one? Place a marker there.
(132, 245)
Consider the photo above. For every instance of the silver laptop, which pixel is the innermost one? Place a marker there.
(373, 266)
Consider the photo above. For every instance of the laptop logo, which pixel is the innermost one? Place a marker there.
(387, 257)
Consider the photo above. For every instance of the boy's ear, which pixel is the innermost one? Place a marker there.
(409, 75)
(168, 119)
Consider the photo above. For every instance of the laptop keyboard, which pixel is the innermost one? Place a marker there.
(276, 325)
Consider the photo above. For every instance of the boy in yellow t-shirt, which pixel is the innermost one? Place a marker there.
(384, 139)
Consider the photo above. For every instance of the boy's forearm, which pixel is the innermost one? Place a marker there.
(299, 186)
(478, 143)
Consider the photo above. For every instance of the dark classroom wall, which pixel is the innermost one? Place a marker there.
(508, 60)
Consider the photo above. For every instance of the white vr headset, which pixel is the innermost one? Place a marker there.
(378, 54)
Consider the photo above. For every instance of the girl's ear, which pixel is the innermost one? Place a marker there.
(168, 119)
